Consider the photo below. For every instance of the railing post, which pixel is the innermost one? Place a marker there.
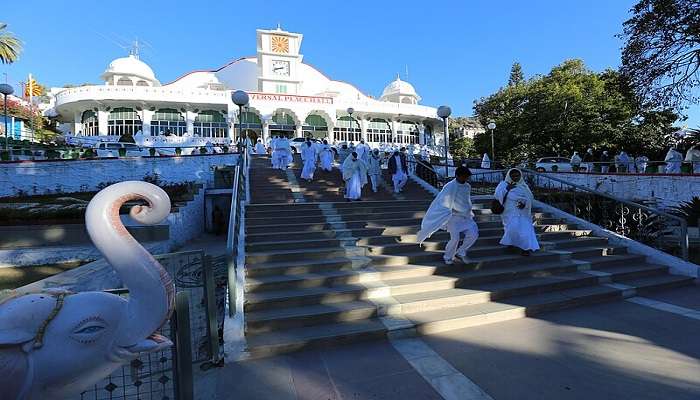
(210, 301)
(182, 354)
(684, 240)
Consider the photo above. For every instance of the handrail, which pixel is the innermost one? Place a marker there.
(231, 248)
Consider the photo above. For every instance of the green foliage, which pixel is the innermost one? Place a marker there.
(178, 151)
(462, 148)
(661, 57)
(202, 150)
(516, 75)
(122, 152)
(152, 151)
(571, 108)
(10, 46)
(690, 210)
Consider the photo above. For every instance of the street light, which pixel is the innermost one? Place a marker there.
(492, 126)
(444, 113)
(350, 110)
(6, 90)
(240, 98)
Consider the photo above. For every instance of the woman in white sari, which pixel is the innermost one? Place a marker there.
(325, 156)
(260, 148)
(516, 198)
(275, 156)
(285, 153)
(355, 176)
(308, 156)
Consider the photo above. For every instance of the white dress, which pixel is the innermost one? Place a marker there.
(517, 223)
(275, 156)
(284, 153)
(355, 177)
(673, 159)
(326, 158)
(308, 155)
(260, 148)
(374, 170)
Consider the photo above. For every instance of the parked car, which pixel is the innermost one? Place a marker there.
(112, 150)
(553, 164)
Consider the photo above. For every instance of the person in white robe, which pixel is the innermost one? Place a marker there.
(363, 151)
(325, 157)
(693, 156)
(673, 159)
(452, 211)
(355, 176)
(641, 163)
(516, 198)
(486, 162)
(374, 169)
(275, 156)
(286, 153)
(424, 154)
(622, 162)
(575, 162)
(308, 156)
(398, 168)
(260, 148)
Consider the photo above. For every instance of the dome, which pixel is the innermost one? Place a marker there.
(129, 67)
(400, 91)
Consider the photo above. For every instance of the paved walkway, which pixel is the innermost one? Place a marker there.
(619, 350)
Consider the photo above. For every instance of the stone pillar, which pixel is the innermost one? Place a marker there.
(266, 131)
(299, 131)
(77, 122)
(189, 118)
(364, 122)
(394, 129)
(102, 117)
(146, 118)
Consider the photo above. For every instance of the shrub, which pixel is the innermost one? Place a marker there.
(88, 153)
(224, 149)
(178, 151)
(122, 152)
(152, 151)
(202, 150)
(5, 155)
(690, 210)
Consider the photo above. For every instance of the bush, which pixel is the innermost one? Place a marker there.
(202, 150)
(5, 155)
(88, 153)
(122, 152)
(152, 151)
(690, 210)
(52, 154)
(178, 151)
(224, 149)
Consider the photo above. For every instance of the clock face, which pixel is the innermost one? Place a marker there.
(280, 44)
(280, 67)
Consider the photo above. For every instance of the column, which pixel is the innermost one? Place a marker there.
(77, 122)
(189, 118)
(299, 130)
(394, 129)
(146, 118)
(421, 134)
(364, 122)
(230, 127)
(266, 131)
(102, 117)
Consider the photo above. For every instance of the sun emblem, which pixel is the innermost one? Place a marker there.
(280, 44)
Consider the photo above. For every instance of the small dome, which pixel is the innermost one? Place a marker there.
(399, 87)
(400, 91)
(129, 66)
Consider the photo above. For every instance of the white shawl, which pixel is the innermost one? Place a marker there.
(351, 166)
(440, 210)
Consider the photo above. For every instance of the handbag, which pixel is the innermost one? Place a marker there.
(496, 206)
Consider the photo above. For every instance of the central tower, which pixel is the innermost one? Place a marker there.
(279, 61)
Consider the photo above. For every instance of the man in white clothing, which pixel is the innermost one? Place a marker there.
(452, 211)
(398, 168)
(363, 151)
(693, 156)
(374, 169)
(260, 148)
(355, 176)
(673, 159)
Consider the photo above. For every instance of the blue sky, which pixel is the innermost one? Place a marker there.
(456, 51)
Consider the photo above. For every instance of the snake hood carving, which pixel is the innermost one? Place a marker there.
(54, 345)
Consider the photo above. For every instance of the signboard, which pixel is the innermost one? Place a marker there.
(290, 98)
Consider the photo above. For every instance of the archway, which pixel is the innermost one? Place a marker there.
(315, 126)
(283, 124)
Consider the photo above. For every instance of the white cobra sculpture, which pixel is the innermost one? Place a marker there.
(54, 345)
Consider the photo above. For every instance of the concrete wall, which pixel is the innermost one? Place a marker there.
(188, 222)
(666, 190)
(66, 176)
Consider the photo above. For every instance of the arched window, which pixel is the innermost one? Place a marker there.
(141, 83)
(315, 126)
(347, 130)
(168, 121)
(123, 121)
(428, 135)
(125, 82)
(407, 133)
(210, 123)
(282, 124)
(90, 123)
(379, 131)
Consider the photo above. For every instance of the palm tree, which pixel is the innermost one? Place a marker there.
(10, 46)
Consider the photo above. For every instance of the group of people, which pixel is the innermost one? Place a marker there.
(452, 211)
(623, 163)
(363, 163)
(281, 155)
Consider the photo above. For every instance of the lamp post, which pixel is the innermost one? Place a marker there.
(6, 90)
(240, 98)
(492, 126)
(350, 110)
(444, 113)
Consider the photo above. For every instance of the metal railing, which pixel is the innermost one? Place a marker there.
(426, 172)
(239, 196)
(653, 227)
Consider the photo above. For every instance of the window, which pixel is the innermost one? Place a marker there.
(315, 126)
(282, 89)
(379, 131)
(347, 130)
(407, 133)
(141, 83)
(125, 82)
(90, 123)
(123, 121)
(168, 121)
(210, 123)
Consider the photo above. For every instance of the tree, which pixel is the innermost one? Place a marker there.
(516, 75)
(10, 46)
(571, 108)
(661, 57)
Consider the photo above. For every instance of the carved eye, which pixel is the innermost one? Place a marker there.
(89, 330)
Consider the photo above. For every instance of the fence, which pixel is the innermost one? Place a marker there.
(194, 329)
(239, 195)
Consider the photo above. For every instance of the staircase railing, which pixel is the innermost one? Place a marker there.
(235, 235)
(653, 227)
(426, 172)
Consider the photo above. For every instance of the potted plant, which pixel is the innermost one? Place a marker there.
(202, 150)
(4, 155)
(122, 152)
(152, 151)
(178, 151)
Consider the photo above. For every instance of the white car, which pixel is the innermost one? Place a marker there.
(112, 150)
(553, 164)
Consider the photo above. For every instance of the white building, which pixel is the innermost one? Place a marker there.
(287, 97)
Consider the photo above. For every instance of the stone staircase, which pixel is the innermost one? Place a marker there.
(329, 271)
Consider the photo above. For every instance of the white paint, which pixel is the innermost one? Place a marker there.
(68, 176)
(677, 266)
(440, 374)
(660, 305)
